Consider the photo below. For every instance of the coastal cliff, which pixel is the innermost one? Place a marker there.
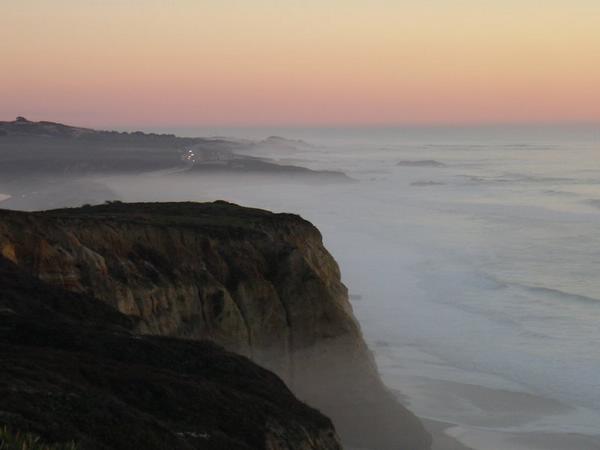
(75, 374)
(260, 284)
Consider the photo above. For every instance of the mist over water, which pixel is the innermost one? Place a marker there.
(472, 265)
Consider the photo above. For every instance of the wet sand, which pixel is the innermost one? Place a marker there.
(462, 412)
(442, 440)
(453, 437)
(505, 420)
(493, 440)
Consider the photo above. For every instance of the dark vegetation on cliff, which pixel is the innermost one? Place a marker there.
(260, 284)
(17, 440)
(72, 371)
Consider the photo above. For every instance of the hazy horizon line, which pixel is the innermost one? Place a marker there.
(100, 125)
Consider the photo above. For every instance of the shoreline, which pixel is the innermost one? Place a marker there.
(469, 411)
(442, 440)
(447, 436)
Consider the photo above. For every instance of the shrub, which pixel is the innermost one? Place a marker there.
(16, 440)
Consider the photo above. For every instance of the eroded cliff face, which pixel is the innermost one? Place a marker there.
(258, 283)
(73, 371)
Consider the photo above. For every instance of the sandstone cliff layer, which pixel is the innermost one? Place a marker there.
(258, 283)
(72, 372)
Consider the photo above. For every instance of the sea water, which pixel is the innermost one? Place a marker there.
(472, 256)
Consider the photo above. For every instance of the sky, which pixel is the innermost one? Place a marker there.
(300, 62)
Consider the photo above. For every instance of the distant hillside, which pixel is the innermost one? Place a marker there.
(34, 148)
(47, 164)
(21, 127)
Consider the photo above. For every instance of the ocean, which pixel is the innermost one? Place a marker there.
(472, 258)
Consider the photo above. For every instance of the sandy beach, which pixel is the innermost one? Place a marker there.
(471, 416)
(448, 436)
(442, 440)
(490, 440)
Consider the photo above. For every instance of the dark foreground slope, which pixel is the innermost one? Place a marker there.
(71, 371)
(258, 283)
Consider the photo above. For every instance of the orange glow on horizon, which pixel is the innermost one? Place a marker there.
(329, 62)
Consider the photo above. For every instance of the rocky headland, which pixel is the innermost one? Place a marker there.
(46, 165)
(76, 375)
(30, 148)
(260, 284)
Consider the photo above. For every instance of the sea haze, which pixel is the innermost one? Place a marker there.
(471, 255)
(475, 279)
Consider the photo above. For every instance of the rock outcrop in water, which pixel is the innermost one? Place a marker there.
(72, 372)
(258, 283)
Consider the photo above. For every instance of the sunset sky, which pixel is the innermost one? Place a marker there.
(300, 62)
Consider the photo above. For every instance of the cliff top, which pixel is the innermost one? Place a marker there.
(212, 216)
(219, 212)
